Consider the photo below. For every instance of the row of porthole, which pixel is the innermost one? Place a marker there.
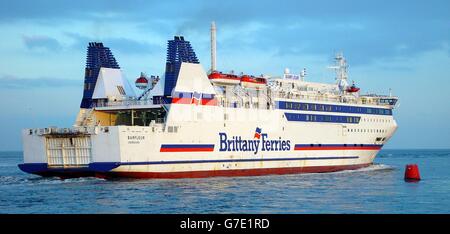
(376, 120)
(367, 130)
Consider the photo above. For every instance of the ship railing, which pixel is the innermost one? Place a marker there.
(78, 130)
(241, 102)
(124, 103)
(289, 95)
(331, 97)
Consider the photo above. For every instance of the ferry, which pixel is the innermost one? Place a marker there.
(193, 123)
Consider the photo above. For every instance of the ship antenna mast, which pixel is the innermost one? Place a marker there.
(303, 74)
(341, 71)
(213, 46)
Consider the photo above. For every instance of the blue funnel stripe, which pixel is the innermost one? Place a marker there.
(178, 51)
(97, 56)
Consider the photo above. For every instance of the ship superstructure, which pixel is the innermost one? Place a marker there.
(190, 123)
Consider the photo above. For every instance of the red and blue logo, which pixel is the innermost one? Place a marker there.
(257, 133)
(196, 98)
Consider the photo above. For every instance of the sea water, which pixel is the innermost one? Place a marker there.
(376, 189)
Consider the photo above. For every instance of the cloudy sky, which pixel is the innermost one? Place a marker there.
(402, 45)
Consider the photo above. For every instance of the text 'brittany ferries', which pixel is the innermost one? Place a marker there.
(236, 143)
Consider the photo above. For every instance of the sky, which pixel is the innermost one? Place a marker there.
(399, 45)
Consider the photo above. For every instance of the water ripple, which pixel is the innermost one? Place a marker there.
(379, 188)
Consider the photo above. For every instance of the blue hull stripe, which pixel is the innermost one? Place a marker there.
(337, 145)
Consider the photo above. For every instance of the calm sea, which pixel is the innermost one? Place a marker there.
(377, 189)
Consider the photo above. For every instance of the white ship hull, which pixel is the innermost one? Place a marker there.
(197, 145)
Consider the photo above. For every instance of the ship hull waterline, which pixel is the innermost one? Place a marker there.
(79, 172)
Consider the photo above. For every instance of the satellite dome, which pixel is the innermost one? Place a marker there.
(142, 82)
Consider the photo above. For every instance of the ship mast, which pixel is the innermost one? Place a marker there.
(213, 46)
(341, 71)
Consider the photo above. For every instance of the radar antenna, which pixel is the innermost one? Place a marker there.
(341, 71)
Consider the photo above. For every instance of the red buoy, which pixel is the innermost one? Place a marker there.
(412, 172)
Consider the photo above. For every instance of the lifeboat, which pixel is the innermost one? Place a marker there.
(253, 82)
(352, 89)
(224, 79)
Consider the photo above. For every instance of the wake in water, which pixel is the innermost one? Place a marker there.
(18, 180)
(373, 167)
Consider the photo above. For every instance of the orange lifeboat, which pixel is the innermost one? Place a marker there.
(352, 89)
(253, 82)
(222, 78)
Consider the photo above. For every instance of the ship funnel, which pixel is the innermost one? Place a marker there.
(178, 51)
(98, 56)
(213, 46)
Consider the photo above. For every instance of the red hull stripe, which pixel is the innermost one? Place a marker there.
(337, 147)
(187, 148)
(239, 172)
(237, 160)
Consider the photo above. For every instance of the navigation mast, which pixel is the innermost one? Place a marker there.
(341, 71)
